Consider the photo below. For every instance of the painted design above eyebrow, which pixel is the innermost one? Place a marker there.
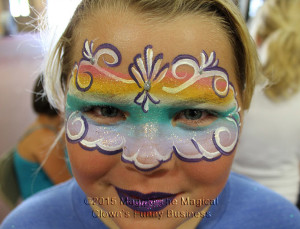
(149, 79)
(208, 68)
(93, 58)
(105, 48)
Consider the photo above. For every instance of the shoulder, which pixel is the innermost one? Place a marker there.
(251, 205)
(36, 141)
(247, 189)
(40, 211)
(42, 135)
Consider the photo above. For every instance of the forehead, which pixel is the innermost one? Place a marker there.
(130, 32)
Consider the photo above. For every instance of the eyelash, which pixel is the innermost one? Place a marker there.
(203, 117)
(113, 115)
(198, 117)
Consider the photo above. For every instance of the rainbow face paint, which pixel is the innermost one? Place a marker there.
(152, 94)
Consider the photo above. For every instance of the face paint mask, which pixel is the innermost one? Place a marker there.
(153, 111)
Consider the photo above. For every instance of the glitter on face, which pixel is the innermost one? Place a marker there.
(148, 138)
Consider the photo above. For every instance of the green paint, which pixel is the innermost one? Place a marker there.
(161, 114)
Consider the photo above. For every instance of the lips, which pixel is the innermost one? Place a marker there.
(137, 201)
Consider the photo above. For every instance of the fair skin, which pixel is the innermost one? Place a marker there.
(99, 174)
(35, 147)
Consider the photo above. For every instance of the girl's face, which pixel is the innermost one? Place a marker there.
(152, 116)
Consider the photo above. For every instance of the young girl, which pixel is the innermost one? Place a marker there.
(154, 93)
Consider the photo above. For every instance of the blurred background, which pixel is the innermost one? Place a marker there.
(22, 51)
(23, 45)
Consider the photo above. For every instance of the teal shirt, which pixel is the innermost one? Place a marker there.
(30, 176)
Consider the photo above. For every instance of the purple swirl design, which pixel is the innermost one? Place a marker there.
(85, 88)
(208, 68)
(214, 81)
(185, 56)
(93, 57)
(75, 138)
(221, 148)
(217, 142)
(78, 134)
(107, 46)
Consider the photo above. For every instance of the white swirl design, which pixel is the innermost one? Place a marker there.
(197, 152)
(146, 158)
(104, 145)
(72, 120)
(217, 139)
(208, 68)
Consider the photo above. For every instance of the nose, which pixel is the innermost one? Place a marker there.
(148, 148)
(147, 157)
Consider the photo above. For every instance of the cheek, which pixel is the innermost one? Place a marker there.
(89, 166)
(207, 175)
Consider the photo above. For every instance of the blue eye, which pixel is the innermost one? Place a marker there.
(105, 114)
(192, 114)
(195, 118)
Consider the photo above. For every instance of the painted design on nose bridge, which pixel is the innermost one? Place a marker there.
(150, 144)
(146, 74)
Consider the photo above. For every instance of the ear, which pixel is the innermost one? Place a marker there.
(258, 40)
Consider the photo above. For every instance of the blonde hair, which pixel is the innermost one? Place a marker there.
(60, 61)
(277, 26)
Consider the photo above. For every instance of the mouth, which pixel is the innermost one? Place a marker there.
(138, 201)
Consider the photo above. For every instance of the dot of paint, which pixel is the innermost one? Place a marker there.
(92, 60)
(200, 71)
(147, 85)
